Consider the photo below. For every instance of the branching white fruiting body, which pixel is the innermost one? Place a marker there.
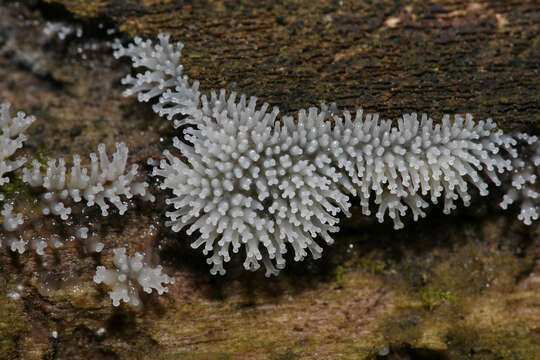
(106, 181)
(178, 100)
(256, 182)
(521, 185)
(11, 139)
(251, 180)
(130, 274)
(248, 184)
(10, 223)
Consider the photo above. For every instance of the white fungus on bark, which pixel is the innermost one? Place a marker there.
(178, 99)
(256, 183)
(131, 273)
(252, 181)
(10, 223)
(11, 139)
(249, 183)
(520, 188)
(107, 181)
(39, 243)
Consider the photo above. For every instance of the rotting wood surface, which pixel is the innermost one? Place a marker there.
(458, 286)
